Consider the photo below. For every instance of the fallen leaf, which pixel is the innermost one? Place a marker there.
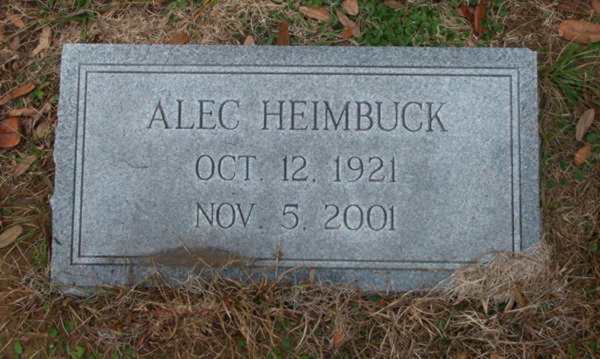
(249, 41)
(32, 121)
(22, 112)
(283, 34)
(580, 31)
(596, 6)
(16, 20)
(24, 165)
(583, 154)
(519, 297)
(496, 356)
(178, 38)
(347, 33)
(462, 355)
(350, 27)
(42, 130)
(467, 12)
(1, 33)
(15, 43)
(337, 339)
(479, 17)
(394, 4)
(584, 124)
(350, 7)
(344, 20)
(570, 6)
(16, 93)
(9, 236)
(9, 133)
(44, 42)
(317, 13)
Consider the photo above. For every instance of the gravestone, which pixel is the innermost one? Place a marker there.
(384, 168)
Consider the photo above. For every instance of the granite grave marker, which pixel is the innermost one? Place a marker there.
(385, 168)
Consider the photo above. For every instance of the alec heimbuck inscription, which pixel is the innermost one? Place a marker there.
(385, 168)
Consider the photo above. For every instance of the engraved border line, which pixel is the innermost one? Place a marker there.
(289, 73)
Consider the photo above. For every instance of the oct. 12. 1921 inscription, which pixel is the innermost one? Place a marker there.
(384, 168)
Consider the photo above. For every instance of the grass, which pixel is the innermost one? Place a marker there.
(542, 305)
(575, 71)
(409, 26)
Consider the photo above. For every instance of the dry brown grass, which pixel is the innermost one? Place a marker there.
(542, 304)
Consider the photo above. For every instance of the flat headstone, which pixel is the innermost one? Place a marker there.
(385, 168)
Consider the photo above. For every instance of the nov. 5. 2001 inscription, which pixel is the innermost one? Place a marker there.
(363, 164)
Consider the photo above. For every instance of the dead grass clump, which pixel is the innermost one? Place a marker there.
(507, 278)
(220, 317)
(229, 22)
(120, 26)
(532, 24)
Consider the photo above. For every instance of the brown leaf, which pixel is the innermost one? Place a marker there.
(1, 33)
(23, 112)
(583, 154)
(9, 133)
(496, 356)
(394, 4)
(344, 20)
(519, 297)
(24, 165)
(478, 18)
(16, 20)
(350, 7)
(467, 12)
(338, 338)
(283, 34)
(42, 130)
(44, 42)
(32, 121)
(570, 6)
(580, 31)
(249, 41)
(596, 6)
(351, 29)
(16, 93)
(584, 124)
(15, 43)
(178, 38)
(347, 33)
(9, 236)
(317, 13)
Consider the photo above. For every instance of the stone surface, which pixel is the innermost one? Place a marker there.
(387, 169)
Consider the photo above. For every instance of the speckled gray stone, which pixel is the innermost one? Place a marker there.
(384, 168)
